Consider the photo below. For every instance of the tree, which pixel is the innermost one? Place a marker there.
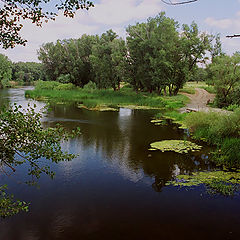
(68, 60)
(107, 60)
(5, 71)
(225, 72)
(27, 72)
(160, 57)
(14, 12)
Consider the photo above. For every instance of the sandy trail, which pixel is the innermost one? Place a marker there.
(199, 101)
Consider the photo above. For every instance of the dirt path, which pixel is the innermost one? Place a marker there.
(199, 101)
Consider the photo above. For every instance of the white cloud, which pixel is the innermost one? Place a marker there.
(106, 14)
(228, 26)
(222, 23)
(112, 12)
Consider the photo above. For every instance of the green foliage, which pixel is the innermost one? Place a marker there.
(108, 60)
(95, 98)
(9, 206)
(233, 107)
(5, 71)
(27, 72)
(220, 129)
(215, 127)
(24, 141)
(224, 73)
(68, 61)
(46, 85)
(90, 86)
(228, 154)
(160, 58)
(22, 135)
(65, 86)
(14, 12)
(64, 78)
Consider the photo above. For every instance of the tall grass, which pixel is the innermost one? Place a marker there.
(220, 129)
(94, 97)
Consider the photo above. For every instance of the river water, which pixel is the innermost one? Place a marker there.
(115, 188)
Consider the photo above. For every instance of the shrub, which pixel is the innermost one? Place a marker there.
(90, 86)
(46, 85)
(64, 86)
(64, 78)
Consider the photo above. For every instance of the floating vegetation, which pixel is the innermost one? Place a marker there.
(221, 182)
(100, 108)
(139, 107)
(179, 146)
(158, 122)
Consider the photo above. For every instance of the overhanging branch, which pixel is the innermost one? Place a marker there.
(169, 2)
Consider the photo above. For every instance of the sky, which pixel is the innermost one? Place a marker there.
(212, 16)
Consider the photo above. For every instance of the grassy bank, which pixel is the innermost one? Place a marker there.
(96, 99)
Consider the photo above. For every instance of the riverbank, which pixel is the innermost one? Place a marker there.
(108, 99)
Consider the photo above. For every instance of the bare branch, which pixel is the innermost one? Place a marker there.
(169, 2)
(233, 36)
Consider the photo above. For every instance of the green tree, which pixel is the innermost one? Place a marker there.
(107, 60)
(225, 72)
(68, 60)
(13, 12)
(5, 71)
(160, 57)
(27, 72)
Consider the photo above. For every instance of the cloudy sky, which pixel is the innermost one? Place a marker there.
(212, 16)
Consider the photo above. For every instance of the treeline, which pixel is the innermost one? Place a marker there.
(19, 73)
(157, 57)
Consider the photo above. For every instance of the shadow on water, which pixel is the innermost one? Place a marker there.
(115, 188)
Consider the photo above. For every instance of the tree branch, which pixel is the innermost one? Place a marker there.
(169, 2)
(233, 36)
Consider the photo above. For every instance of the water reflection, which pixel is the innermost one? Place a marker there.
(115, 188)
(122, 139)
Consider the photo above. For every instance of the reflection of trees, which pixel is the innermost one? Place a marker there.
(122, 139)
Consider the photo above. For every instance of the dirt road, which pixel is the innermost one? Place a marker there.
(199, 101)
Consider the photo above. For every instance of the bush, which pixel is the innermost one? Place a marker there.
(214, 127)
(46, 85)
(64, 86)
(90, 86)
(233, 107)
(64, 78)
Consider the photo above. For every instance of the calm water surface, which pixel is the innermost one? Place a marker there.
(115, 188)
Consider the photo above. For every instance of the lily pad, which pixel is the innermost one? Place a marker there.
(179, 146)
(222, 182)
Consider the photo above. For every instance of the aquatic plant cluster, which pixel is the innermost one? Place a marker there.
(178, 146)
(221, 182)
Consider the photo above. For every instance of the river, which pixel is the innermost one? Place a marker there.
(115, 187)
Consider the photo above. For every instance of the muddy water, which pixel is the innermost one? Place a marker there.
(115, 188)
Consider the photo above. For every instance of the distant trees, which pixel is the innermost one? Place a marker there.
(5, 71)
(156, 56)
(27, 72)
(68, 60)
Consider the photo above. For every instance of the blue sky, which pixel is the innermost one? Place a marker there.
(212, 16)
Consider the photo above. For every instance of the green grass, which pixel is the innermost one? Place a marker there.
(222, 130)
(189, 87)
(94, 98)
